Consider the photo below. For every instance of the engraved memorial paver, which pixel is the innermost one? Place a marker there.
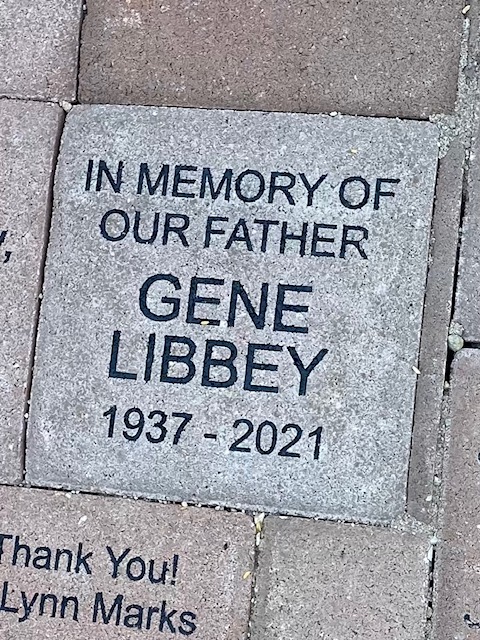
(325, 580)
(232, 308)
(28, 138)
(80, 567)
(457, 584)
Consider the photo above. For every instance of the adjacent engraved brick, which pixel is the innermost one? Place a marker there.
(457, 584)
(323, 580)
(350, 56)
(28, 141)
(39, 48)
(236, 288)
(82, 567)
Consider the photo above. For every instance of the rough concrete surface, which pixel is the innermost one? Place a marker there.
(323, 580)
(433, 346)
(28, 141)
(39, 43)
(110, 329)
(82, 567)
(399, 59)
(457, 608)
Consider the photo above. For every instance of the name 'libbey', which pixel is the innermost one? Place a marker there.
(221, 362)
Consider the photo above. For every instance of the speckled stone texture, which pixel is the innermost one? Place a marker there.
(39, 43)
(28, 141)
(323, 580)
(467, 303)
(110, 323)
(191, 566)
(399, 59)
(457, 607)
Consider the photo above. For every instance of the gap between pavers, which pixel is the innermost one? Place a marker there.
(117, 290)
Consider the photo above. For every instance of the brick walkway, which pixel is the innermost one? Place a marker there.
(239, 364)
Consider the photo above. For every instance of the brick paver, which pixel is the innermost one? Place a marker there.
(323, 580)
(458, 560)
(39, 42)
(399, 59)
(82, 567)
(28, 140)
(467, 302)
(436, 319)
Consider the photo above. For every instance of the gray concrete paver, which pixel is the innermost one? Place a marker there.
(119, 301)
